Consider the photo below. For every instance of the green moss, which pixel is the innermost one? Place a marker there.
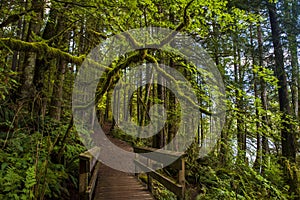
(39, 47)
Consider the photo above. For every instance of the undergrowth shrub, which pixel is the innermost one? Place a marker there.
(241, 182)
(39, 165)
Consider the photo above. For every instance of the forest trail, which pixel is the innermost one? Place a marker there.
(113, 184)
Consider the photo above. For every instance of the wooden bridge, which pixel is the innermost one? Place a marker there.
(99, 182)
(113, 184)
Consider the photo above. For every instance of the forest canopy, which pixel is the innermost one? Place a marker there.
(254, 45)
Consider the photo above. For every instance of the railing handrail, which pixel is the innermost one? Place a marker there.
(158, 155)
(88, 172)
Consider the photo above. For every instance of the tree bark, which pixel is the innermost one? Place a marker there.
(287, 135)
(27, 89)
(264, 100)
(290, 20)
(241, 137)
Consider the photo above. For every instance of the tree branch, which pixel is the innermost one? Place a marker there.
(180, 27)
(14, 18)
(76, 4)
(167, 76)
(19, 45)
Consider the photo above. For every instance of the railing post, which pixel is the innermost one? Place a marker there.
(84, 167)
(181, 177)
(88, 169)
(135, 167)
(149, 178)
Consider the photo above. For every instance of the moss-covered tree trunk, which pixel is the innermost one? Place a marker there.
(27, 89)
(57, 95)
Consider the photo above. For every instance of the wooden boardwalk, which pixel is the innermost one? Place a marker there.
(116, 185)
(100, 182)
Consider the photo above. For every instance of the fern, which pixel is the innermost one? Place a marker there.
(30, 182)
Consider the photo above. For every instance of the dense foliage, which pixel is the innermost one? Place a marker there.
(255, 45)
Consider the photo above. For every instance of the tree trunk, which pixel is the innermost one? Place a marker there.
(290, 20)
(57, 94)
(287, 136)
(257, 163)
(27, 89)
(239, 103)
(264, 100)
(56, 100)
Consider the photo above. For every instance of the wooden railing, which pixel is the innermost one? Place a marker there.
(175, 186)
(88, 172)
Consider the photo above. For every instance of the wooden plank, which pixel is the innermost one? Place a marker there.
(165, 181)
(161, 151)
(125, 192)
(125, 197)
(137, 198)
(113, 185)
(162, 156)
(122, 187)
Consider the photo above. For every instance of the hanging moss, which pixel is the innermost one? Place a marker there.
(152, 59)
(39, 47)
(135, 57)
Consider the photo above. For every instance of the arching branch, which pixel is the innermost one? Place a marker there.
(41, 47)
(180, 27)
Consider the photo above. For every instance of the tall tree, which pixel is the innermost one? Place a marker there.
(287, 134)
